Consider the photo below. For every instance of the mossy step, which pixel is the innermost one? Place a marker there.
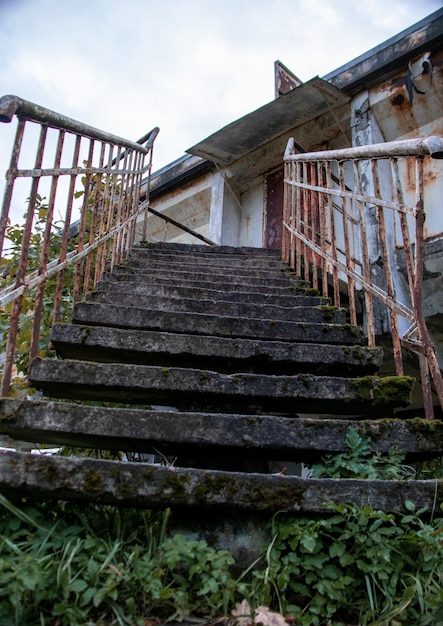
(286, 297)
(208, 274)
(98, 343)
(152, 486)
(229, 308)
(214, 391)
(210, 435)
(240, 262)
(201, 281)
(313, 325)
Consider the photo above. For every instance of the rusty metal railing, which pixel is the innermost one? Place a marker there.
(347, 215)
(79, 188)
(179, 225)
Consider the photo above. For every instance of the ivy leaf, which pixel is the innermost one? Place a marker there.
(337, 549)
(308, 542)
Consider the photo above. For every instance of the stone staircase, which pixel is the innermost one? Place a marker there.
(228, 367)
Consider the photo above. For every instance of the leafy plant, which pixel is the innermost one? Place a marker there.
(357, 566)
(360, 462)
(8, 270)
(89, 565)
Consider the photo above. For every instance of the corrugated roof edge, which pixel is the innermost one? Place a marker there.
(381, 61)
(177, 173)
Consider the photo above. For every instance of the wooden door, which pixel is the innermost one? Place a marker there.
(273, 209)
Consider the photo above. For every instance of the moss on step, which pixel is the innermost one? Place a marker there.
(384, 391)
(328, 312)
(93, 482)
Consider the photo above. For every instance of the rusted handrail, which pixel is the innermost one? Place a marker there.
(181, 226)
(79, 174)
(331, 200)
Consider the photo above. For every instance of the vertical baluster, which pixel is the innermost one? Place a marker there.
(398, 359)
(10, 180)
(66, 231)
(95, 205)
(44, 257)
(332, 237)
(323, 228)
(88, 178)
(364, 251)
(297, 218)
(102, 249)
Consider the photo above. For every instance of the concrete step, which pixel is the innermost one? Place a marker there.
(171, 433)
(183, 249)
(229, 308)
(285, 298)
(224, 287)
(159, 260)
(312, 327)
(202, 281)
(152, 486)
(202, 272)
(189, 389)
(96, 343)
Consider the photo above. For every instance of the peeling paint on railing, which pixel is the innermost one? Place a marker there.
(83, 191)
(346, 213)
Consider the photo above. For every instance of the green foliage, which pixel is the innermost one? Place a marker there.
(77, 565)
(357, 566)
(200, 576)
(360, 462)
(68, 564)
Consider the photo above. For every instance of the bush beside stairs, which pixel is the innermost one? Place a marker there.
(219, 361)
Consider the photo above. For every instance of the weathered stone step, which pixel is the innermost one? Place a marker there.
(312, 328)
(181, 249)
(211, 262)
(216, 307)
(202, 281)
(152, 486)
(96, 343)
(291, 297)
(172, 433)
(180, 275)
(227, 266)
(188, 388)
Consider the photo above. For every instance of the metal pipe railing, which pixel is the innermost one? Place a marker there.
(183, 227)
(80, 176)
(346, 214)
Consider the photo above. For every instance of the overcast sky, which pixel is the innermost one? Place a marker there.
(187, 66)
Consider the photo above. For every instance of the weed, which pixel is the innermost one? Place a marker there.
(356, 566)
(360, 462)
(80, 565)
